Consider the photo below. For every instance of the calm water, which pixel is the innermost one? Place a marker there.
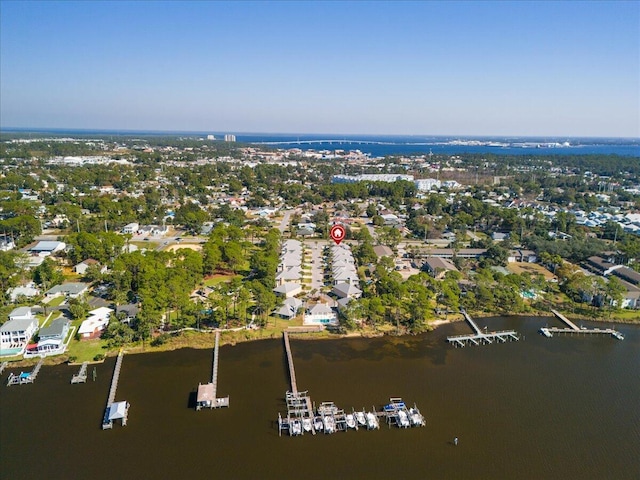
(540, 408)
(393, 144)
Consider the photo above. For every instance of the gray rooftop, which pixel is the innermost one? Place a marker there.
(46, 246)
(56, 329)
(20, 312)
(17, 325)
(68, 288)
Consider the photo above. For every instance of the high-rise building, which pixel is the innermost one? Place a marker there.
(211, 137)
(229, 138)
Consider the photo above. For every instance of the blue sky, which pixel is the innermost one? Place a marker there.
(450, 68)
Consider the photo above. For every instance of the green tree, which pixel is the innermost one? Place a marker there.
(78, 308)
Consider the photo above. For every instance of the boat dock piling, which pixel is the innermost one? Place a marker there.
(327, 418)
(573, 328)
(25, 377)
(480, 337)
(206, 396)
(113, 411)
(81, 376)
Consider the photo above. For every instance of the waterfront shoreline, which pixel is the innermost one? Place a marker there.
(195, 342)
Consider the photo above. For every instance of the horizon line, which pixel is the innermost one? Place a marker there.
(122, 132)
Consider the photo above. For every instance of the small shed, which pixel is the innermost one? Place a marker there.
(118, 411)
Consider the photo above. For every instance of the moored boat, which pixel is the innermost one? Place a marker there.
(317, 424)
(307, 424)
(417, 420)
(329, 424)
(372, 421)
(351, 421)
(403, 419)
(296, 427)
(361, 417)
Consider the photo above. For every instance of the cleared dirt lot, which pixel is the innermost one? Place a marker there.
(173, 248)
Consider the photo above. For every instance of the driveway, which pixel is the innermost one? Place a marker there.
(317, 265)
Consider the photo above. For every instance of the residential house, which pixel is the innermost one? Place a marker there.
(289, 308)
(82, 267)
(69, 290)
(97, 322)
(288, 289)
(438, 267)
(527, 256)
(29, 290)
(631, 297)
(131, 228)
(22, 313)
(15, 334)
(6, 244)
(346, 290)
(600, 266)
(627, 274)
(320, 314)
(383, 251)
(46, 248)
(52, 337)
(127, 312)
(450, 253)
(499, 236)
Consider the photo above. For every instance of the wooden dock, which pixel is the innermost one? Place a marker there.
(25, 377)
(206, 395)
(113, 410)
(480, 337)
(571, 325)
(292, 371)
(81, 376)
(573, 328)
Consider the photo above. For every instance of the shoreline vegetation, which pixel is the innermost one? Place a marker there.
(202, 339)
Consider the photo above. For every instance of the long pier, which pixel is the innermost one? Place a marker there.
(292, 370)
(81, 376)
(214, 372)
(573, 328)
(114, 379)
(480, 337)
(206, 395)
(115, 410)
(25, 377)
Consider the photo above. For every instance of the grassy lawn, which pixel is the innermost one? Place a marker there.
(627, 315)
(57, 301)
(218, 279)
(86, 350)
(145, 244)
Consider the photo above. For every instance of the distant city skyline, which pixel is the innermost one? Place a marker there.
(557, 69)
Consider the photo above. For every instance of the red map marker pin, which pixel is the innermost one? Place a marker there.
(337, 233)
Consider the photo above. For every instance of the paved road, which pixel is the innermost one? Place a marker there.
(284, 224)
(317, 264)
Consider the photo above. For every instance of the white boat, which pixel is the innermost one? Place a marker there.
(417, 420)
(403, 419)
(329, 424)
(351, 420)
(317, 424)
(307, 424)
(361, 418)
(372, 421)
(296, 427)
